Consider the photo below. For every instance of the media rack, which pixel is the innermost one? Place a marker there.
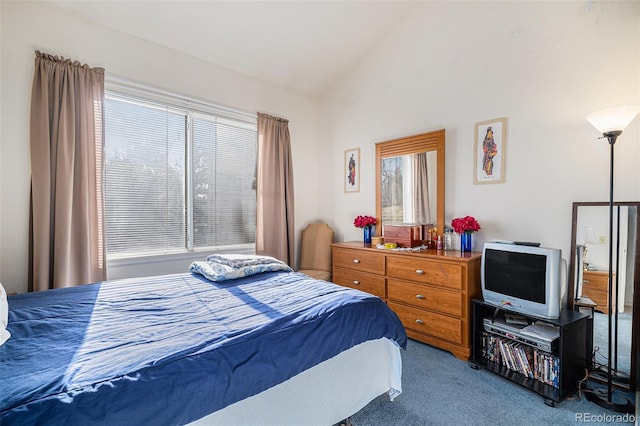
(563, 357)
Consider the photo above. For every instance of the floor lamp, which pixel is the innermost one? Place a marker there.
(611, 122)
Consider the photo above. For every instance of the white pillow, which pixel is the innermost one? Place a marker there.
(4, 316)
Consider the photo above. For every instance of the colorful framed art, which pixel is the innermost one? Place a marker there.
(490, 149)
(351, 171)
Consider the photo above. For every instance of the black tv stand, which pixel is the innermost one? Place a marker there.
(564, 356)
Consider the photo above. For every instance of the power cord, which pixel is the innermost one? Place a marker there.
(600, 396)
(582, 386)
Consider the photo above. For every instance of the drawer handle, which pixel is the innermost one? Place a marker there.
(356, 261)
(419, 321)
(585, 281)
(356, 282)
(419, 272)
(419, 296)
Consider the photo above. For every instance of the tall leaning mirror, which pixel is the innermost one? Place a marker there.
(410, 181)
(589, 278)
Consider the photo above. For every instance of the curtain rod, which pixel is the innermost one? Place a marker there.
(114, 82)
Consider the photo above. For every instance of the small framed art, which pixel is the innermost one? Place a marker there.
(351, 172)
(490, 150)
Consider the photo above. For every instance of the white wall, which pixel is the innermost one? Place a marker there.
(542, 65)
(28, 26)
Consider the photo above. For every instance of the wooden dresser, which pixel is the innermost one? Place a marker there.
(431, 291)
(595, 285)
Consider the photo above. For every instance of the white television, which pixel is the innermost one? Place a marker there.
(523, 278)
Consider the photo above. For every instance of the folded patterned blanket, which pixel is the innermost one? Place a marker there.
(223, 267)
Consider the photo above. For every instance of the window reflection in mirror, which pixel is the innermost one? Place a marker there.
(402, 201)
(409, 188)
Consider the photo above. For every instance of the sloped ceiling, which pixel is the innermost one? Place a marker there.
(301, 45)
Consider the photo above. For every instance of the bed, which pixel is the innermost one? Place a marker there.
(265, 345)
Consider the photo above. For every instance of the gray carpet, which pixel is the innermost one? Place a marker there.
(600, 339)
(439, 389)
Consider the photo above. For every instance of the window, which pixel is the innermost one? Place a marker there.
(179, 176)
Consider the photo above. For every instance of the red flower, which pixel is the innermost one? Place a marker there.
(364, 221)
(467, 223)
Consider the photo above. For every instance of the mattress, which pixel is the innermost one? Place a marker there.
(324, 394)
(172, 349)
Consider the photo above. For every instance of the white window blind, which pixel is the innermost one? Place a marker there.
(176, 178)
(224, 172)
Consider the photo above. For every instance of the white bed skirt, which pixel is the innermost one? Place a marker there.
(323, 395)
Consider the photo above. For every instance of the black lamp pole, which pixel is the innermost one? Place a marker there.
(605, 120)
(624, 406)
(611, 137)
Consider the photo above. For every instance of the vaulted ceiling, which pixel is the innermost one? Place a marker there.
(301, 45)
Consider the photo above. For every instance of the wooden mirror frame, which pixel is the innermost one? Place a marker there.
(431, 141)
(634, 374)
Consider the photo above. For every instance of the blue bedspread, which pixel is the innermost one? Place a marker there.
(171, 349)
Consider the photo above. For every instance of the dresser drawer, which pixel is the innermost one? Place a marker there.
(422, 296)
(595, 285)
(601, 298)
(430, 323)
(596, 281)
(359, 259)
(425, 271)
(369, 283)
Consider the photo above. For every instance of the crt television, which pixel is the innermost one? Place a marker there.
(523, 278)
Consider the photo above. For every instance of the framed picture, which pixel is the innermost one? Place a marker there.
(490, 150)
(351, 172)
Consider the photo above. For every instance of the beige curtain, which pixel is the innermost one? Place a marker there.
(275, 224)
(66, 235)
(421, 189)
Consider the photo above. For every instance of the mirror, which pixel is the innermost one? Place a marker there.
(589, 278)
(410, 180)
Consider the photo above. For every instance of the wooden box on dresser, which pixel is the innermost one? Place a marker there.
(431, 291)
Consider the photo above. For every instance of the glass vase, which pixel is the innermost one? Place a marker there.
(466, 242)
(367, 234)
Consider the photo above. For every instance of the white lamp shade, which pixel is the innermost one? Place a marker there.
(585, 235)
(611, 119)
(580, 237)
(589, 236)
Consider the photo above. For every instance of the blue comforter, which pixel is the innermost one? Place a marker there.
(174, 348)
